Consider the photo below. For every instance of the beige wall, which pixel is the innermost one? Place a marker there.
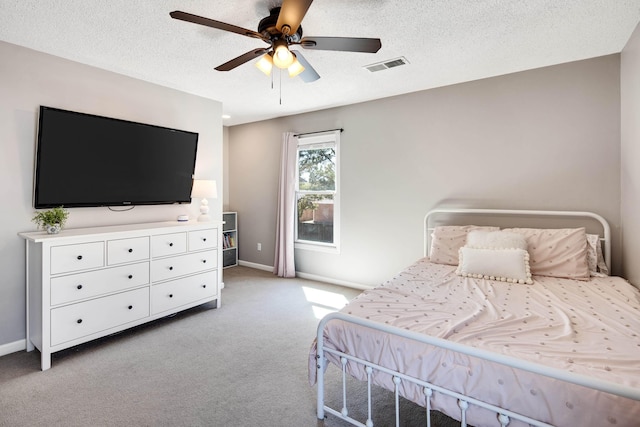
(29, 79)
(630, 150)
(542, 139)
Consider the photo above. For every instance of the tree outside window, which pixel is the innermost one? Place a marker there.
(316, 192)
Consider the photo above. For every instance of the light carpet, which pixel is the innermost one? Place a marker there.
(243, 364)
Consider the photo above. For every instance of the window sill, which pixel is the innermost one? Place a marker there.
(317, 247)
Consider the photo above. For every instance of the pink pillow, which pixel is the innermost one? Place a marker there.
(447, 240)
(557, 252)
(595, 257)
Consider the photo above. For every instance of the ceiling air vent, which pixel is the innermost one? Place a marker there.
(385, 65)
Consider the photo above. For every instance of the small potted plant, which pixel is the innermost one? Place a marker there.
(51, 220)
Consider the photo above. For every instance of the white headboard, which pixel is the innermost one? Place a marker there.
(605, 232)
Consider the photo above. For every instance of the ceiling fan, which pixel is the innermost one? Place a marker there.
(282, 30)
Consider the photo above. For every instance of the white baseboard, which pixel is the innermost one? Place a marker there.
(332, 281)
(308, 276)
(13, 347)
(257, 266)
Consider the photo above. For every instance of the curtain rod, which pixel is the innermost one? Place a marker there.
(320, 131)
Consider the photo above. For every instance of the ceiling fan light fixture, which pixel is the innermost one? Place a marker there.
(282, 56)
(296, 67)
(265, 64)
(279, 30)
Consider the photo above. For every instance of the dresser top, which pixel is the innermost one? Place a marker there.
(132, 229)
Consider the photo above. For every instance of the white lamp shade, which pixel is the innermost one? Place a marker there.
(265, 64)
(204, 189)
(296, 67)
(282, 56)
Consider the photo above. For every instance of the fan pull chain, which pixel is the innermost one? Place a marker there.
(280, 73)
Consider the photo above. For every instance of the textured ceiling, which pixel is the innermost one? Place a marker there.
(444, 41)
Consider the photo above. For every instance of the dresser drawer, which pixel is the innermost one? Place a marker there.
(170, 268)
(79, 286)
(203, 239)
(86, 318)
(169, 295)
(168, 244)
(78, 257)
(127, 250)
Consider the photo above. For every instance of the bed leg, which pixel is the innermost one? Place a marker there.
(369, 422)
(427, 396)
(463, 404)
(345, 411)
(320, 361)
(504, 420)
(396, 381)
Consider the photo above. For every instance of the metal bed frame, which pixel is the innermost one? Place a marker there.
(503, 416)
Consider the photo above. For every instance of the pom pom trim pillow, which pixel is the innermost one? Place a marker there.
(505, 265)
(446, 241)
(557, 252)
(496, 255)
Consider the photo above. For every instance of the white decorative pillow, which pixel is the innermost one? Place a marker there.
(505, 265)
(496, 255)
(446, 240)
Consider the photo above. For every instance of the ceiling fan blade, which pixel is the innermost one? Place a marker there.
(230, 65)
(188, 17)
(291, 14)
(347, 44)
(309, 74)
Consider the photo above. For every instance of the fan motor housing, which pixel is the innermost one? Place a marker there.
(267, 27)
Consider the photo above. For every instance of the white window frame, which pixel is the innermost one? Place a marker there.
(304, 141)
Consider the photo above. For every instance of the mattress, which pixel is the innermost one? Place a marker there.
(586, 327)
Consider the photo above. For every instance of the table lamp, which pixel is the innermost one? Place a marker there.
(204, 189)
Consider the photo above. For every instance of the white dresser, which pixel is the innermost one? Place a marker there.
(83, 284)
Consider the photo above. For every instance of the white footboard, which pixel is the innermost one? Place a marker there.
(503, 416)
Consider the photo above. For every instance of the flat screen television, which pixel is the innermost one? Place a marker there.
(84, 160)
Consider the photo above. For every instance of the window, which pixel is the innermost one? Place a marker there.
(317, 189)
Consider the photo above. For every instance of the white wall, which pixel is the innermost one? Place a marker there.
(29, 79)
(630, 152)
(546, 139)
(225, 161)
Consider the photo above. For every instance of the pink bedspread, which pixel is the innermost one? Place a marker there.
(591, 328)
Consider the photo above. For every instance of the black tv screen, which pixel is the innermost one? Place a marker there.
(85, 160)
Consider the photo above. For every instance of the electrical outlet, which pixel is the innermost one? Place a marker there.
(259, 247)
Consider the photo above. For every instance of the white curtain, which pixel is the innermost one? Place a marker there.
(284, 264)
